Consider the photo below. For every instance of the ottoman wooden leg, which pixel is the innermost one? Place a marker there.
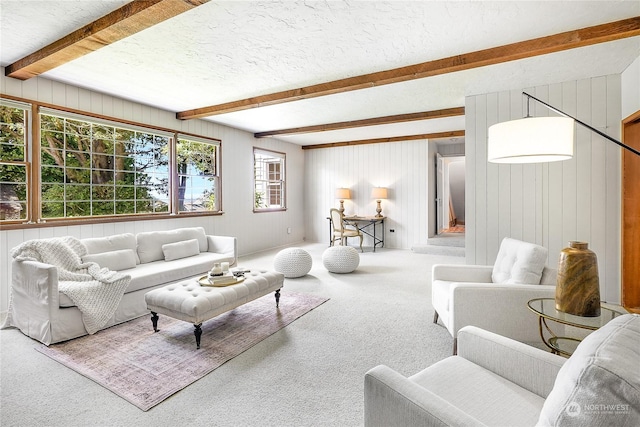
(198, 334)
(154, 320)
(278, 298)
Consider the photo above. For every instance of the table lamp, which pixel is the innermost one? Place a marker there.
(379, 193)
(342, 194)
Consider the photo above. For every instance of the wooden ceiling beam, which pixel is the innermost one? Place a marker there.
(121, 23)
(400, 118)
(437, 135)
(541, 46)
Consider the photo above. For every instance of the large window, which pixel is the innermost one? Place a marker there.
(197, 175)
(81, 167)
(93, 169)
(14, 172)
(269, 179)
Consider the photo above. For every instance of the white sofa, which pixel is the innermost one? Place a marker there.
(494, 297)
(152, 259)
(496, 381)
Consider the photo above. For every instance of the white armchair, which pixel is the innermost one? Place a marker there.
(496, 381)
(495, 297)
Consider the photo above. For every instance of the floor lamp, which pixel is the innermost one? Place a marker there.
(538, 139)
(548, 139)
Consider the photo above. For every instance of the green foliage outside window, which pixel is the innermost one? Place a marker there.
(13, 169)
(92, 169)
(197, 175)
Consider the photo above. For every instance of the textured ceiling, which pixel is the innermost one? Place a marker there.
(225, 51)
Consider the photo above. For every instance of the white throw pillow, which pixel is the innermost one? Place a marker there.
(150, 242)
(114, 260)
(519, 262)
(179, 250)
(600, 383)
(98, 245)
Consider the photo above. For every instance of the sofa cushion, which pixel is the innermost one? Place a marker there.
(160, 272)
(178, 250)
(150, 243)
(97, 245)
(122, 259)
(600, 383)
(519, 262)
(482, 394)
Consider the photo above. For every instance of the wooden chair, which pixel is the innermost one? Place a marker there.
(340, 230)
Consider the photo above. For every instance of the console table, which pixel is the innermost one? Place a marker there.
(545, 308)
(366, 224)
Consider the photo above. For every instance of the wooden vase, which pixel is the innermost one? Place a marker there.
(578, 286)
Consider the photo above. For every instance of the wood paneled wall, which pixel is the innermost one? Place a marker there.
(402, 167)
(255, 231)
(549, 203)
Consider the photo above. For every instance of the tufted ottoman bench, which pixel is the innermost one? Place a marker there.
(193, 303)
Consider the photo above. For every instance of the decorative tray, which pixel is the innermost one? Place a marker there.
(206, 281)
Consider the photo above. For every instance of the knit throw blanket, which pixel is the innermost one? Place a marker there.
(95, 291)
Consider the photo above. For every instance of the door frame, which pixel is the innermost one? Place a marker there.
(630, 215)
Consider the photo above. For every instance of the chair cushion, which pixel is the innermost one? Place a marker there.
(519, 262)
(600, 383)
(487, 397)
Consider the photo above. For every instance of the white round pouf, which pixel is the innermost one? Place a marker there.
(340, 259)
(293, 262)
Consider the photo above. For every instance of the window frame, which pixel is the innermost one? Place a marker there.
(279, 184)
(27, 108)
(217, 191)
(33, 148)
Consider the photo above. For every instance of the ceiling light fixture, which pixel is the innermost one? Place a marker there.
(537, 139)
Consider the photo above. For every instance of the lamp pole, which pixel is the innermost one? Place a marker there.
(562, 113)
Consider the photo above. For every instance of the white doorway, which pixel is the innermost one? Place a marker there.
(450, 183)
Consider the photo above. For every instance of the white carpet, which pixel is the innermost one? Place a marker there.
(310, 373)
(448, 244)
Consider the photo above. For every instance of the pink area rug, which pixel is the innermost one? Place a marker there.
(145, 368)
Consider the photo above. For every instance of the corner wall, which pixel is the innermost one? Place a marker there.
(549, 203)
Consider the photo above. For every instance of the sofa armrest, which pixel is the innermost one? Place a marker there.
(529, 367)
(391, 399)
(462, 273)
(225, 245)
(499, 308)
(34, 300)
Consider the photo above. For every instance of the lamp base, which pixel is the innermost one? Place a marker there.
(342, 207)
(379, 210)
(578, 287)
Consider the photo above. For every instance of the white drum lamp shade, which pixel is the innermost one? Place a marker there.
(379, 193)
(342, 194)
(531, 140)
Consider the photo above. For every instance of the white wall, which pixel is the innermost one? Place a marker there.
(631, 89)
(549, 203)
(255, 232)
(402, 167)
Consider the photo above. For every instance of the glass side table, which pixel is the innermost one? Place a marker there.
(545, 308)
